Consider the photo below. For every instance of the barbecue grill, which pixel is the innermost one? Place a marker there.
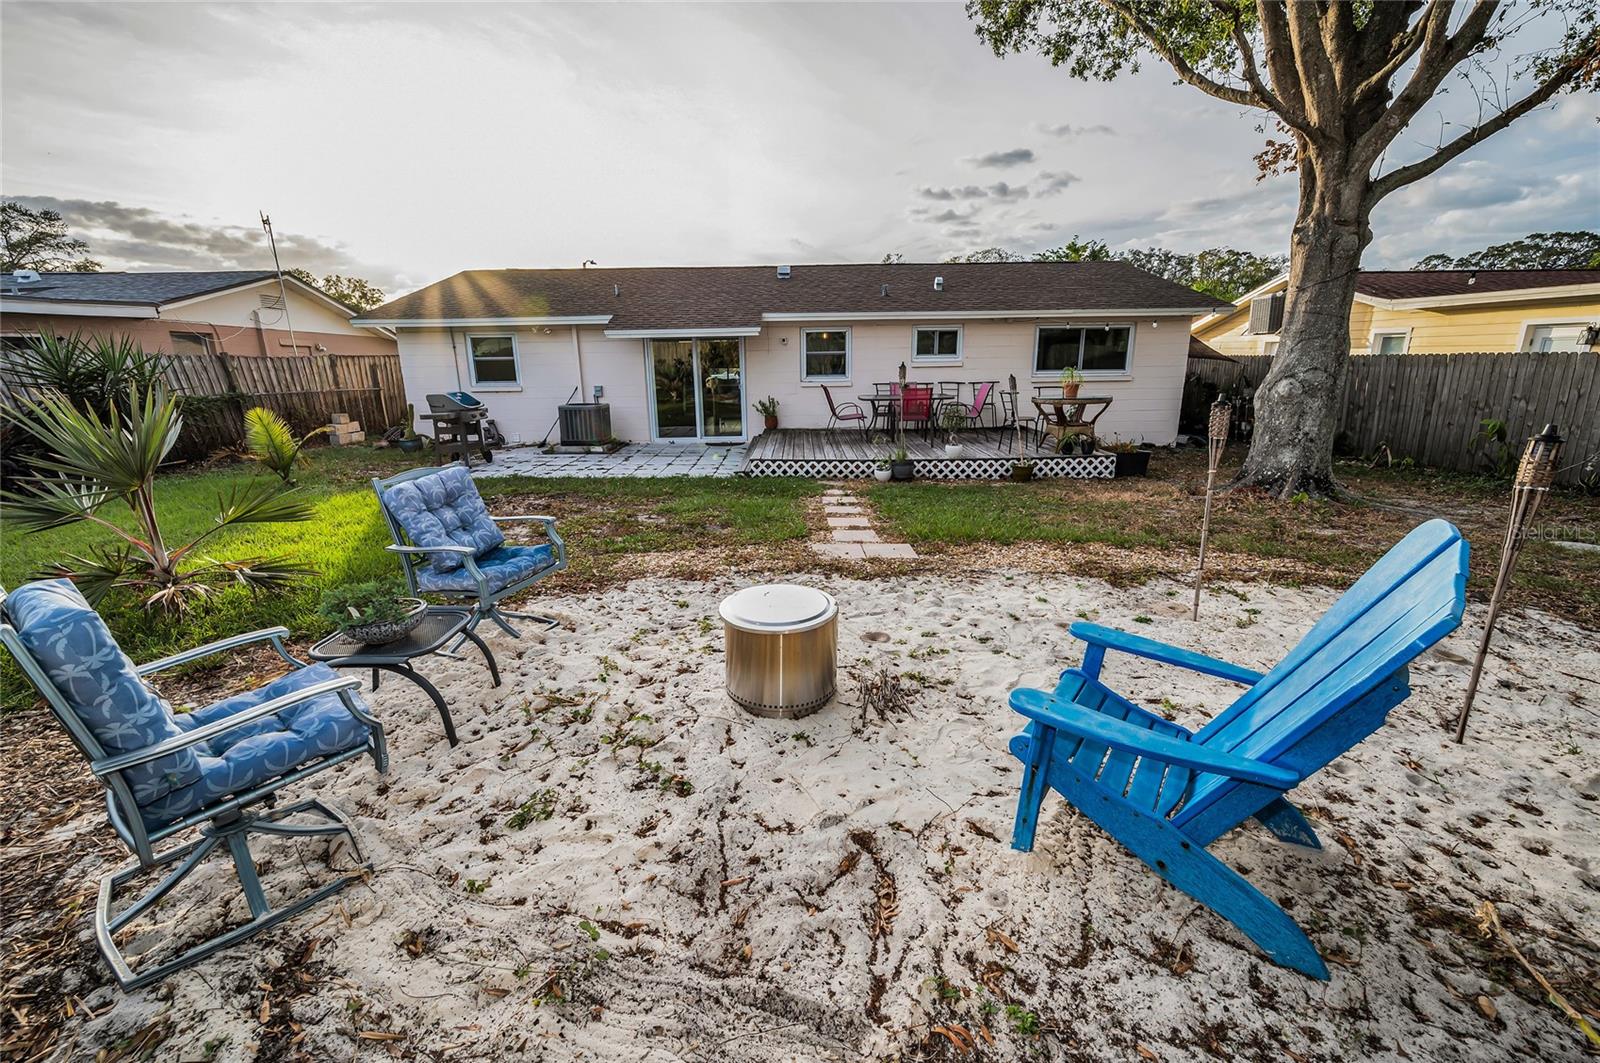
(459, 426)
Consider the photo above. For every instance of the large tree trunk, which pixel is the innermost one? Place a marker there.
(1297, 405)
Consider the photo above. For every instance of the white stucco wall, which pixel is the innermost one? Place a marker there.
(1145, 407)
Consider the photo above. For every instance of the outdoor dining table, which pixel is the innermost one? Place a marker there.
(1066, 418)
(886, 403)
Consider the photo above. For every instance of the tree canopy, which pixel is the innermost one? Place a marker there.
(354, 292)
(1566, 250)
(1220, 271)
(38, 239)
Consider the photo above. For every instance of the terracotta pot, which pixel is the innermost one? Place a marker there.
(1070, 391)
(772, 422)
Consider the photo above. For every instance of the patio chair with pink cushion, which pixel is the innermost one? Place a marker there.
(843, 412)
(916, 406)
(980, 403)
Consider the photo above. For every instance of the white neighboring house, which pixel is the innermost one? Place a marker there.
(684, 353)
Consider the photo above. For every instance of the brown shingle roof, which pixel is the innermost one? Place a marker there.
(1431, 284)
(736, 296)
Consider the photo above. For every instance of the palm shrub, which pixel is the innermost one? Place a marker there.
(94, 459)
(90, 372)
(269, 440)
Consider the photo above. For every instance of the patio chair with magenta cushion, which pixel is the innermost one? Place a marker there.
(449, 544)
(165, 772)
(1167, 793)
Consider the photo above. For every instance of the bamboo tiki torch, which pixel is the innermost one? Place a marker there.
(1535, 474)
(1221, 414)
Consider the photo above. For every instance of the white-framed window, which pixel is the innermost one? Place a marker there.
(493, 360)
(1393, 341)
(1555, 336)
(192, 343)
(1090, 349)
(936, 344)
(825, 355)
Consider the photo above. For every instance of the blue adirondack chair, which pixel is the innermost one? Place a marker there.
(1166, 793)
(451, 546)
(167, 773)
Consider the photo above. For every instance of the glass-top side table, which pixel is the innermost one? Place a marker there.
(439, 625)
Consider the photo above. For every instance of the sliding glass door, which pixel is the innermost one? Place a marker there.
(697, 388)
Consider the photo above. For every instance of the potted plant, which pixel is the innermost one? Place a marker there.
(1071, 379)
(372, 613)
(900, 464)
(1022, 470)
(952, 418)
(768, 409)
(409, 442)
(881, 470)
(1132, 459)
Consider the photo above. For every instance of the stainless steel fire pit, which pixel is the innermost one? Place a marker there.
(781, 643)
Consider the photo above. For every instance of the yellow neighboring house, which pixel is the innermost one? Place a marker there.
(1434, 312)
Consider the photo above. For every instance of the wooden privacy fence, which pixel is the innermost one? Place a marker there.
(1431, 407)
(305, 390)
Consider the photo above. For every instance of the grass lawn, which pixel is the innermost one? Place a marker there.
(600, 519)
(1135, 528)
(1335, 541)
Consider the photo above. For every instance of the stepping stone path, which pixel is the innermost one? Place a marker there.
(850, 534)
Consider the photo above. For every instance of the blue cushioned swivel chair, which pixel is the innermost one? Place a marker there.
(165, 772)
(449, 544)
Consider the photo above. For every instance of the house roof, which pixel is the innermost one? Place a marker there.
(1430, 284)
(132, 289)
(742, 297)
(1199, 348)
(1421, 289)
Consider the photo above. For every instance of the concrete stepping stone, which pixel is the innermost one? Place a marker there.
(851, 535)
(847, 551)
(843, 511)
(888, 550)
(848, 522)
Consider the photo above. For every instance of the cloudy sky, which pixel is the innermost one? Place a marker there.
(405, 143)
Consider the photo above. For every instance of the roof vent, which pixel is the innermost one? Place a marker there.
(26, 276)
(272, 301)
(783, 272)
(938, 284)
(616, 290)
(885, 291)
(1472, 278)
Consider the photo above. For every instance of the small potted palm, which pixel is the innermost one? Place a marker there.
(952, 418)
(1071, 380)
(768, 409)
(372, 613)
(882, 470)
(1022, 467)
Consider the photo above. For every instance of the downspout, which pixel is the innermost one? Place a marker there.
(577, 351)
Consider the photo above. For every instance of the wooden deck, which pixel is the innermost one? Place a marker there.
(851, 454)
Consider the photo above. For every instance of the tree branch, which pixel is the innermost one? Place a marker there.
(1294, 119)
(1440, 53)
(1317, 77)
(1558, 80)
(1405, 46)
(1163, 48)
(1280, 57)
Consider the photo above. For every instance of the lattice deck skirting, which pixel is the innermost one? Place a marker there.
(1075, 466)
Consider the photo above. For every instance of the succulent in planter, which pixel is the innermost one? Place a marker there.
(900, 467)
(409, 441)
(882, 470)
(768, 409)
(374, 612)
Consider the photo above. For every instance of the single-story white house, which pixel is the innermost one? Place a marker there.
(684, 353)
